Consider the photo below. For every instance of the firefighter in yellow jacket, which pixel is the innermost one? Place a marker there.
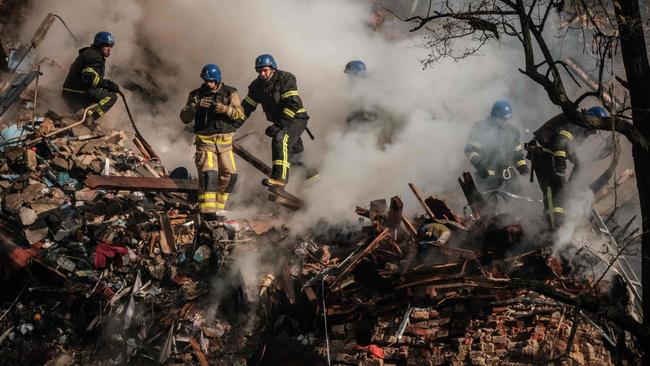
(215, 109)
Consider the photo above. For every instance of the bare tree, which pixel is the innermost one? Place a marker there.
(612, 29)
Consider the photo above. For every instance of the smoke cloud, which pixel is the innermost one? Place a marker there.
(162, 45)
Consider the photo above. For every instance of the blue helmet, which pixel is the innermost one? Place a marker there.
(501, 109)
(211, 72)
(265, 60)
(597, 111)
(103, 38)
(355, 68)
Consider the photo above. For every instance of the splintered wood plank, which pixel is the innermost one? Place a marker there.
(473, 196)
(145, 184)
(283, 201)
(395, 212)
(251, 159)
(277, 191)
(278, 195)
(367, 250)
(440, 208)
(418, 196)
(167, 238)
(203, 360)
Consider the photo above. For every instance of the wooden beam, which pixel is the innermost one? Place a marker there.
(440, 208)
(408, 225)
(283, 201)
(473, 196)
(395, 212)
(144, 184)
(251, 159)
(278, 195)
(418, 196)
(167, 238)
(410, 228)
(279, 191)
(200, 356)
(367, 250)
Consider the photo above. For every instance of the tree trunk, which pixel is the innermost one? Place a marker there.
(637, 70)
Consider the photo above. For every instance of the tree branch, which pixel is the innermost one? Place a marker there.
(423, 21)
(482, 23)
(566, 68)
(584, 96)
(548, 11)
(620, 125)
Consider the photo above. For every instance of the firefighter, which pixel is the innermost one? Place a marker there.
(85, 84)
(215, 108)
(356, 69)
(364, 113)
(277, 91)
(494, 149)
(553, 144)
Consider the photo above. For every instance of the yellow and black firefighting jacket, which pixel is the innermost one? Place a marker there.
(494, 146)
(208, 121)
(560, 138)
(279, 98)
(86, 72)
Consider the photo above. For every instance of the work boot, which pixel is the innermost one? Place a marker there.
(270, 182)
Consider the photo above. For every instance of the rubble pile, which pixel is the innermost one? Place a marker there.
(127, 275)
(389, 302)
(104, 276)
(520, 333)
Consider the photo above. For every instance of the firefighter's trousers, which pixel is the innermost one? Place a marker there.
(286, 145)
(215, 163)
(552, 188)
(103, 99)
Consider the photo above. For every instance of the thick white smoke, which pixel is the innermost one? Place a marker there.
(165, 43)
(172, 40)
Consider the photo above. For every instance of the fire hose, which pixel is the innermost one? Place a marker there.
(139, 140)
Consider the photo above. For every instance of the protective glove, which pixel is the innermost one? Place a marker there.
(272, 130)
(111, 86)
(205, 102)
(220, 108)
